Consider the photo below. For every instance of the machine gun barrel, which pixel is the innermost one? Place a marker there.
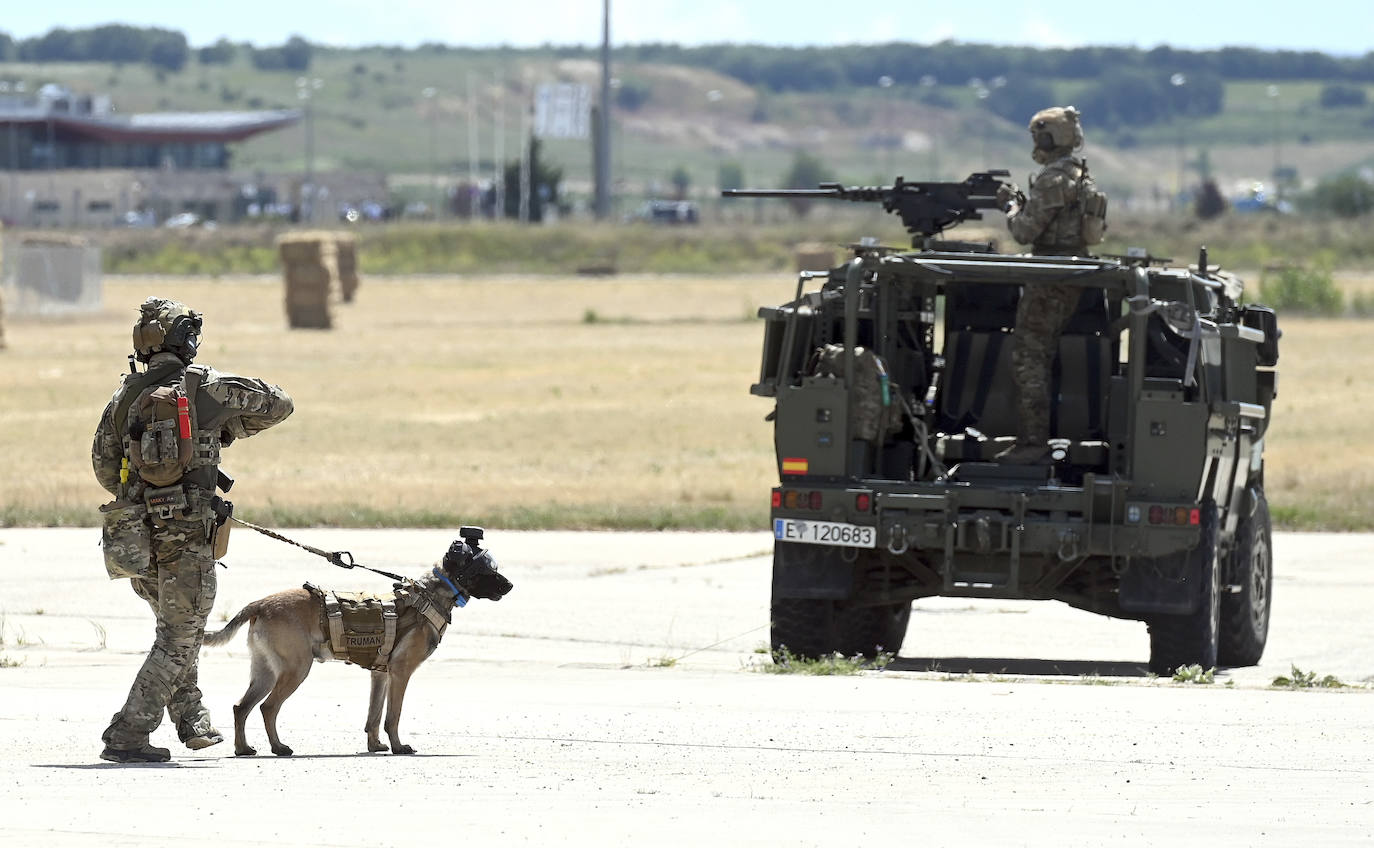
(826, 190)
(926, 208)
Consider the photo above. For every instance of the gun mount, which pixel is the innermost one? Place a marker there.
(926, 208)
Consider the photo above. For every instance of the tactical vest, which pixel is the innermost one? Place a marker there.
(362, 626)
(1082, 220)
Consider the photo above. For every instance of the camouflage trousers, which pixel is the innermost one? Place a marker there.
(180, 589)
(1040, 317)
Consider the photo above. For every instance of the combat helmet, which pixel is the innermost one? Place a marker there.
(166, 325)
(1056, 133)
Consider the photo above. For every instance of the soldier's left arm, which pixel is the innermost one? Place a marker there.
(1047, 197)
(106, 451)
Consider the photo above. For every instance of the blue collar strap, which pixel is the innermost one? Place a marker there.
(459, 599)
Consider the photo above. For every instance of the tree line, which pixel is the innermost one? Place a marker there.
(776, 68)
(954, 63)
(164, 49)
(1129, 87)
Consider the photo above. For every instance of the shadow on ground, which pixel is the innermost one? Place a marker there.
(1006, 665)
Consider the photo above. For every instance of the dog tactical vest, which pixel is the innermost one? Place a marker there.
(362, 626)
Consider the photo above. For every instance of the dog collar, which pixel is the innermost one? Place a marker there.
(459, 599)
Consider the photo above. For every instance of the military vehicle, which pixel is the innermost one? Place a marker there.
(893, 394)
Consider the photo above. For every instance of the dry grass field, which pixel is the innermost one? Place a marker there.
(514, 401)
(541, 402)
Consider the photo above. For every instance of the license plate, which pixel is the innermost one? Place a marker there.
(824, 533)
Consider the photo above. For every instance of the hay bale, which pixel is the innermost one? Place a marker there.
(814, 256)
(346, 260)
(311, 276)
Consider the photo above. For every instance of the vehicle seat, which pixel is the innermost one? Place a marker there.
(978, 389)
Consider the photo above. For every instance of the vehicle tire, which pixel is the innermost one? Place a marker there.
(1245, 615)
(1192, 639)
(816, 628)
(869, 630)
(802, 626)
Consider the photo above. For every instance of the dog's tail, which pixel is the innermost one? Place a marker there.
(244, 616)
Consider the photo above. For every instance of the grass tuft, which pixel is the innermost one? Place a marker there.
(836, 664)
(1194, 674)
(1299, 679)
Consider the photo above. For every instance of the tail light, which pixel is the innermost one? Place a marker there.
(1179, 516)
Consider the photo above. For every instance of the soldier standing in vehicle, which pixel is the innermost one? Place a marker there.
(157, 450)
(1062, 215)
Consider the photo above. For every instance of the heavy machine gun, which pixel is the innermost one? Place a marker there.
(926, 208)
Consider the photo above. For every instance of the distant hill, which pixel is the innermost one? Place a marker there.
(1152, 117)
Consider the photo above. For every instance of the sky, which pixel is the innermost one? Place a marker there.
(1342, 27)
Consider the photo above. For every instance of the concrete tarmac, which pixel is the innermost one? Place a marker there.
(614, 698)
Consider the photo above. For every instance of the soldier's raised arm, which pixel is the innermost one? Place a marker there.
(241, 406)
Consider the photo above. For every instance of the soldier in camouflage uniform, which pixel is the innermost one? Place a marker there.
(168, 552)
(1050, 219)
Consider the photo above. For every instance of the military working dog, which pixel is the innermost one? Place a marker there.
(391, 635)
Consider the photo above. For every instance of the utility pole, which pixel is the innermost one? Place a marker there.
(428, 94)
(526, 104)
(603, 118)
(499, 145)
(305, 91)
(472, 149)
(1273, 92)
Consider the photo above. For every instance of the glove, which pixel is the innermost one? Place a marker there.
(1008, 196)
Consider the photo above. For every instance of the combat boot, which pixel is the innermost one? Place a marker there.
(204, 740)
(199, 733)
(144, 753)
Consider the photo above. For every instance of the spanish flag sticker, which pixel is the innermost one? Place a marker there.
(795, 465)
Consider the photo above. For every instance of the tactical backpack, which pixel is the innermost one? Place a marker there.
(161, 439)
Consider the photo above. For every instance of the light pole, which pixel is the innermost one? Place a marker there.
(473, 194)
(981, 91)
(1273, 93)
(14, 152)
(498, 144)
(928, 82)
(1178, 81)
(428, 94)
(714, 97)
(884, 85)
(305, 92)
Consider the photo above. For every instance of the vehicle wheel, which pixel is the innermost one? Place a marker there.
(804, 626)
(1245, 615)
(815, 628)
(1179, 640)
(868, 630)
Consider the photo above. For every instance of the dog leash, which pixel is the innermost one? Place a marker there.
(343, 559)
